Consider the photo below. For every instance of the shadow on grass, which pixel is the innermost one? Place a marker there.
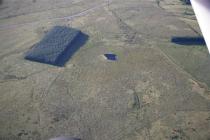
(187, 2)
(80, 41)
(58, 46)
(188, 41)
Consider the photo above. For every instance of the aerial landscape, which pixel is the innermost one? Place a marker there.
(140, 72)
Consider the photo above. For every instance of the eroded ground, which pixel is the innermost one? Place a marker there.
(155, 91)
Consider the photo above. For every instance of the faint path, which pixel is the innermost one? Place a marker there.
(82, 13)
(178, 16)
(32, 12)
(131, 36)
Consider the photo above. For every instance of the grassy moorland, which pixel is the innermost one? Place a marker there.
(156, 90)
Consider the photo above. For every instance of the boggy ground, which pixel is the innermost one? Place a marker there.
(155, 91)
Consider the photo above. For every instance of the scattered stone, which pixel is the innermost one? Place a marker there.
(188, 40)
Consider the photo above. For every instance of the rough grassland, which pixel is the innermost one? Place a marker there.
(156, 90)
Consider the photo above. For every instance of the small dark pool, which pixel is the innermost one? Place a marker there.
(111, 56)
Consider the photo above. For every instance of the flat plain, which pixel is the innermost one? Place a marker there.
(156, 90)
